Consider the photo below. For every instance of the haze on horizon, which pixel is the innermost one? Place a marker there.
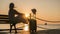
(46, 9)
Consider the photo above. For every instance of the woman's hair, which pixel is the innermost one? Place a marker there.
(11, 5)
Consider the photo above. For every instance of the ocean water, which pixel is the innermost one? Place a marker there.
(39, 26)
(7, 26)
(48, 26)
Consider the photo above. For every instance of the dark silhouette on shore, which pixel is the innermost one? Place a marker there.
(12, 13)
(33, 22)
(13, 20)
(32, 26)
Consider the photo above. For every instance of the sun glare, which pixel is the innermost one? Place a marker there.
(26, 28)
(27, 15)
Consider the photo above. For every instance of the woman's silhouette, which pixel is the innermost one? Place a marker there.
(12, 13)
(13, 20)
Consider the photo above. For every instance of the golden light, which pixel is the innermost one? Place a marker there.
(27, 15)
(26, 28)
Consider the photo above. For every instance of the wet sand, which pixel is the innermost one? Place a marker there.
(51, 31)
(13, 32)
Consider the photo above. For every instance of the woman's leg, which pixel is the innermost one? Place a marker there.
(10, 28)
(15, 28)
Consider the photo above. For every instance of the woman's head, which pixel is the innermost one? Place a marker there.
(11, 5)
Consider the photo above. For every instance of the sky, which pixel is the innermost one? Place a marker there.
(46, 9)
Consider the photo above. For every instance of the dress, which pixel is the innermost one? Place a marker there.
(11, 15)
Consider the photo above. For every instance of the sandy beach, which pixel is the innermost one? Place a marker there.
(51, 31)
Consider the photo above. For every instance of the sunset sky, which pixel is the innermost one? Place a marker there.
(46, 9)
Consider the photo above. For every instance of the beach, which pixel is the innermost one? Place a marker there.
(51, 31)
(42, 29)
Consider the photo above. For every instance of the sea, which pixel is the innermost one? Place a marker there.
(26, 27)
(39, 26)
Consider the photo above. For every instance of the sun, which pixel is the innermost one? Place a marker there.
(27, 15)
